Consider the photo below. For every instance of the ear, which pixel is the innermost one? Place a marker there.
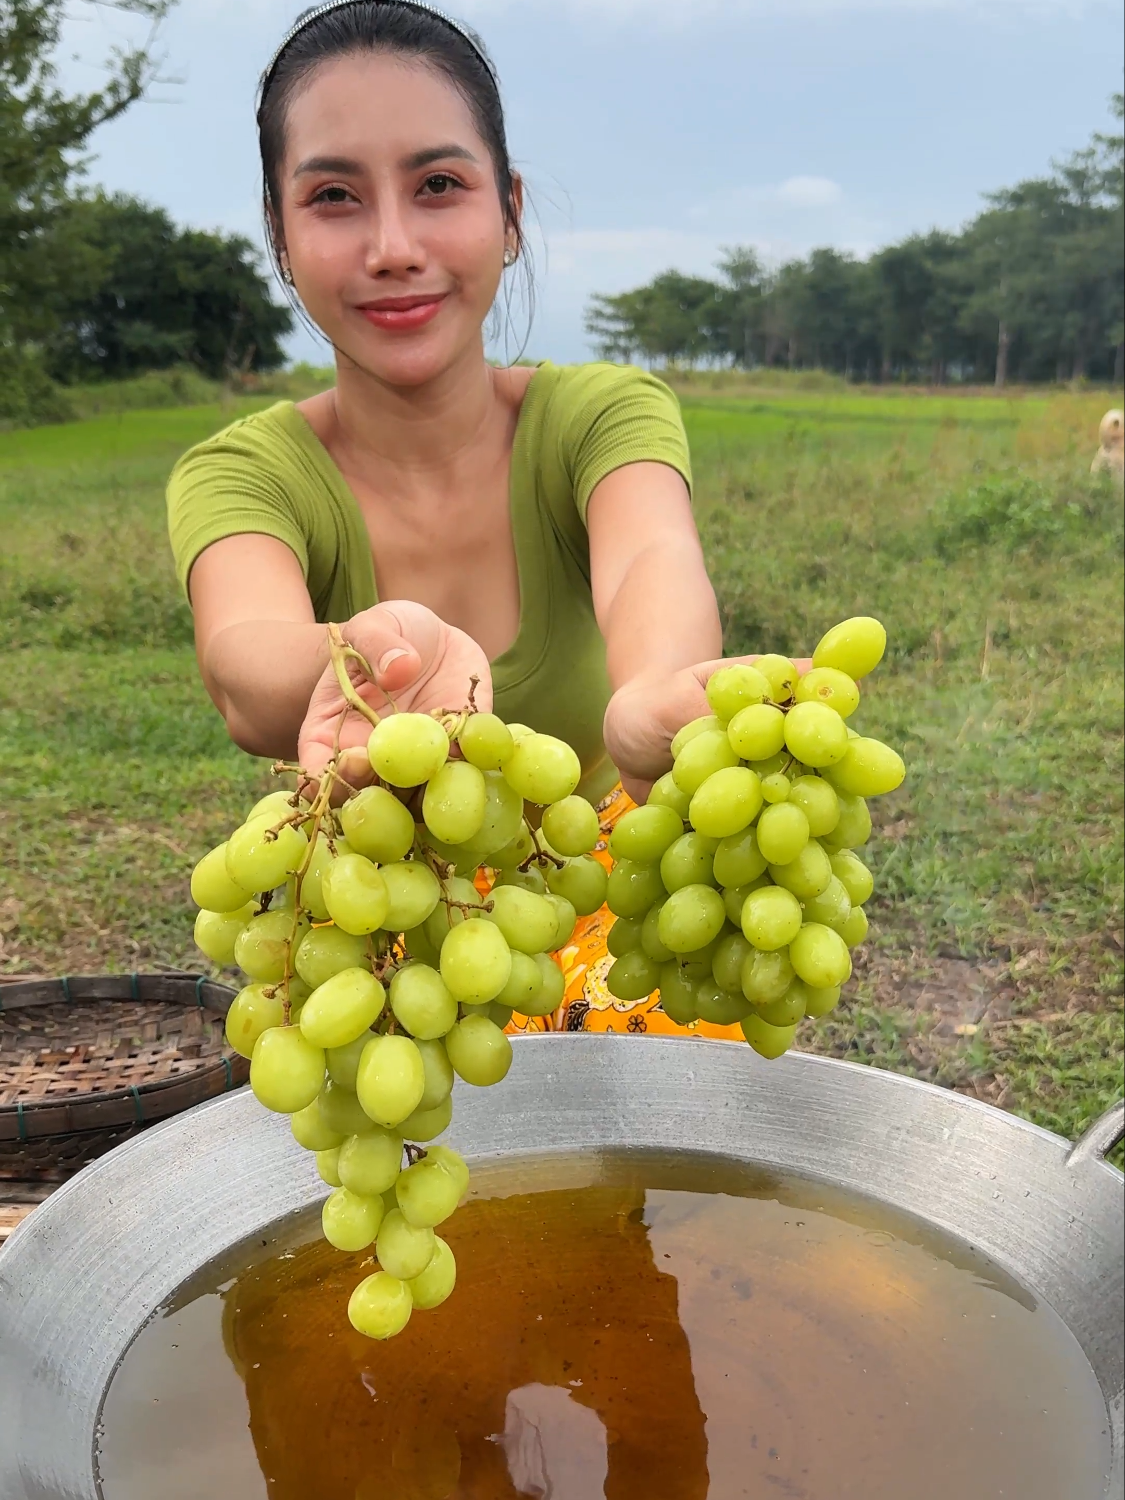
(515, 208)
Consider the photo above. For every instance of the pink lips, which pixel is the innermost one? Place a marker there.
(403, 314)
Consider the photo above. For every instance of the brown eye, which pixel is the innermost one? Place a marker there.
(440, 184)
(332, 195)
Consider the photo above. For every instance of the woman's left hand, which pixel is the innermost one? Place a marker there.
(645, 714)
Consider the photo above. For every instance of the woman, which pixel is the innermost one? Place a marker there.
(531, 527)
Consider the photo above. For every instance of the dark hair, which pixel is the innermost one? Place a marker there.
(383, 26)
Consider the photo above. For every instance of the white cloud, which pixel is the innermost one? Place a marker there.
(810, 192)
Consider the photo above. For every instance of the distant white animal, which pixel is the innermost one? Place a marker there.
(1110, 457)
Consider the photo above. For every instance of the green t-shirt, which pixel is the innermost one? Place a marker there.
(269, 473)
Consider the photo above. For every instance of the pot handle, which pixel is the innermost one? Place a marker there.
(1100, 1138)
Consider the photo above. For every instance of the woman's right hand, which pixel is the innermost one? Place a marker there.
(425, 663)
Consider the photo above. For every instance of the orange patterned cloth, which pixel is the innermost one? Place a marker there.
(585, 961)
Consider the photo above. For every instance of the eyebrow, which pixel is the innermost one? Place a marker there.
(348, 166)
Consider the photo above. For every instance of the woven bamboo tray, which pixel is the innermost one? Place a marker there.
(85, 1063)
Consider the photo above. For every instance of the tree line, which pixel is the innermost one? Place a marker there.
(100, 286)
(1031, 289)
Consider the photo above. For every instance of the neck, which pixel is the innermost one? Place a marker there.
(415, 428)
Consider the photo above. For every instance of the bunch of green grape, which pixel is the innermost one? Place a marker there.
(378, 971)
(736, 887)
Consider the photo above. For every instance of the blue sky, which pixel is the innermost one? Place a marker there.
(654, 132)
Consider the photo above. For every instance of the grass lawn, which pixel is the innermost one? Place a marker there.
(970, 525)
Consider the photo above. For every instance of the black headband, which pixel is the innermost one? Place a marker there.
(463, 31)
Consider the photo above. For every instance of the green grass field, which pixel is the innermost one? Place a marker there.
(970, 525)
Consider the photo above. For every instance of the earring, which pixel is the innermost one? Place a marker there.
(509, 256)
(287, 276)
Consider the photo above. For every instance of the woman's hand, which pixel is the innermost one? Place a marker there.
(644, 715)
(425, 663)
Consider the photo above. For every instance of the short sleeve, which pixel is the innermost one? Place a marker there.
(228, 486)
(621, 415)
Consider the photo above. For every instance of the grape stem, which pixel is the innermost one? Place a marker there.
(342, 653)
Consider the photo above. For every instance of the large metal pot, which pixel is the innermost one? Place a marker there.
(81, 1277)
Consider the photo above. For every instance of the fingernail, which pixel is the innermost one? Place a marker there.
(385, 662)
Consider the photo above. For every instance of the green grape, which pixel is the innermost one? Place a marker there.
(253, 1011)
(767, 1041)
(690, 730)
(677, 994)
(528, 921)
(369, 1164)
(733, 688)
(274, 805)
(789, 1010)
(454, 802)
(820, 956)
(757, 732)
(342, 1008)
(572, 826)
(775, 788)
(689, 861)
(355, 894)
(542, 769)
(690, 918)
(853, 929)
(771, 918)
(854, 825)
(437, 1072)
(378, 825)
(806, 876)
(853, 875)
(391, 1079)
(428, 1124)
(783, 831)
(326, 1167)
(625, 935)
(413, 891)
(819, 803)
(734, 897)
(815, 734)
(650, 936)
(854, 646)
(817, 1002)
(485, 741)
(552, 986)
(718, 1006)
(832, 906)
(421, 1000)
(476, 962)
(216, 932)
(583, 881)
(665, 793)
(310, 1131)
(781, 675)
(773, 764)
(343, 1062)
(644, 833)
(453, 1162)
(514, 852)
(519, 731)
(702, 757)
(403, 1249)
(211, 886)
(566, 919)
(503, 815)
(480, 1052)
(738, 860)
(532, 879)
(429, 1191)
(312, 882)
(456, 894)
(261, 948)
(434, 1285)
(407, 749)
(380, 1306)
(286, 1071)
(701, 959)
(726, 965)
(829, 686)
(765, 977)
(259, 861)
(726, 803)
(633, 977)
(341, 1110)
(868, 768)
(524, 983)
(632, 888)
(349, 1221)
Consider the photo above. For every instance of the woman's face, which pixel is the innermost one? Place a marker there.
(391, 219)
